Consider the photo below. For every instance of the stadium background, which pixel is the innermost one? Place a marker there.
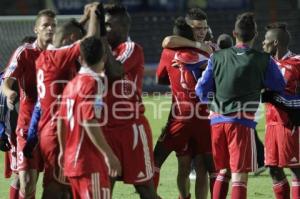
(152, 21)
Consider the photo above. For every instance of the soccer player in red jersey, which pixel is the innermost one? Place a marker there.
(180, 134)
(21, 68)
(127, 130)
(86, 156)
(282, 136)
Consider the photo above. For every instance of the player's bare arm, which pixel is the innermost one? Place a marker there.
(9, 92)
(175, 41)
(113, 68)
(61, 136)
(86, 14)
(93, 25)
(95, 134)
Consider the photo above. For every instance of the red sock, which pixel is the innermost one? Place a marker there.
(220, 189)
(13, 192)
(188, 197)
(156, 177)
(212, 180)
(239, 190)
(282, 189)
(295, 188)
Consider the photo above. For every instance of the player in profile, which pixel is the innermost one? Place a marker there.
(233, 81)
(180, 134)
(79, 132)
(224, 41)
(282, 135)
(21, 68)
(127, 129)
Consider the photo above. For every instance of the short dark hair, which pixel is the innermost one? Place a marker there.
(245, 26)
(46, 12)
(196, 13)
(224, 41)
(72, 26)
(119, 10)
(91, 50)
(28, 39)
(281, 31)
(181, 28)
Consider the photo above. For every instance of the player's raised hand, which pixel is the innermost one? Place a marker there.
(87, 8)
(11, 97)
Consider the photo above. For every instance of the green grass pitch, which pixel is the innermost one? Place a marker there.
(157, 109)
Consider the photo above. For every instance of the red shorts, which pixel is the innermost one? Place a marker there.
(233, 147)
(92, 185)
(132, 144)
(49, 150)
(24, 163)
(190, 137)
(282, 146)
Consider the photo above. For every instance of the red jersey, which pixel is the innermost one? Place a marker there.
(123, 99)
(22, 68)
(290, 68)
(81, 100)
(54, 68)
(183, 79)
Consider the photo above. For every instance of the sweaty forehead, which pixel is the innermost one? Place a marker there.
(197, 23)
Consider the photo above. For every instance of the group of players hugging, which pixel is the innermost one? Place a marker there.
(71, 106)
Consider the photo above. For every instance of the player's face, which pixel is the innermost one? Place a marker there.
(45, 28)
(200, 29)
(269, 43)
(114, 30)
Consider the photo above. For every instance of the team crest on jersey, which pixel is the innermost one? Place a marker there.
(98, 106)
